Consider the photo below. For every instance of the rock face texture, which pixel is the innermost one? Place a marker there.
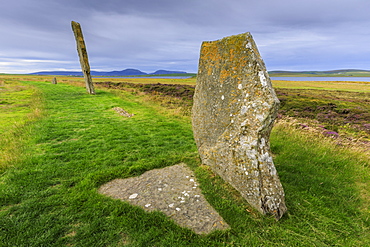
(82, 53)
(233, 113)
(172, 190)
(122, 112)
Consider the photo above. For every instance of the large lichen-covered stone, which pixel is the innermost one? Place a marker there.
(233, 113)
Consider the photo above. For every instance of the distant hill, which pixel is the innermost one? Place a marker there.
(120, 73)
(276, 73)
(165, 72)
(125, 72)
(328, 73)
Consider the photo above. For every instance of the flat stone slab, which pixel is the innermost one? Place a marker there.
(172, 190)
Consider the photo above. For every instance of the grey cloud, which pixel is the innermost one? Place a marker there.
(149, 35)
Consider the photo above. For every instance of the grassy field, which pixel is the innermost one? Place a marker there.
(19, 108)
(15, 102)
(71, 143)
(325, 85)
(342, 108)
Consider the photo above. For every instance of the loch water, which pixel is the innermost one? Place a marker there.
(361, 79)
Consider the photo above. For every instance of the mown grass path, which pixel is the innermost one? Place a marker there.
(49, 197)
(79, 144)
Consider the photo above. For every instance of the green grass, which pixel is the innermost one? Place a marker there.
(20, 105)
(15, 103)
(49, 194)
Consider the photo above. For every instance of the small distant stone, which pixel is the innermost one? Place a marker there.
(122, 112)
(133, 196)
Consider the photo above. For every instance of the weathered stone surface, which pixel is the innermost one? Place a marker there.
(172, 190)
(54, 81)
(233, 113)
(82, 53)
(122, 112)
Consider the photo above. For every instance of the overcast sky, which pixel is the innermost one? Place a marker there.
(36, 35)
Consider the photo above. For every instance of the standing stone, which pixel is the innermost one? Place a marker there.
(233, 114)
(54, 81)
(82, 53)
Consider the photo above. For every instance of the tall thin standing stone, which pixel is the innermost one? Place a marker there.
(233, 114)
(82, 53)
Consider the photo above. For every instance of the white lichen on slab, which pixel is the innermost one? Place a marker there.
(179, 197)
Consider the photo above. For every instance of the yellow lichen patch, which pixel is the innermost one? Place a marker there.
(209, 52)
(224, 74)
